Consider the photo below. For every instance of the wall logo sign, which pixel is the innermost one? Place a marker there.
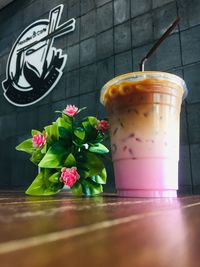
(34, 65)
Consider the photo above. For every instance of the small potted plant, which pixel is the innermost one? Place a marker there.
(69, 152)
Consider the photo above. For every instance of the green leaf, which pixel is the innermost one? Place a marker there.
(41, 186)
(81, 109)
(98, 148)
(77, 188)
(55, 156)
(91, 188)
(100, 137)
(101, 178)
(67, 118)
(36, 156)
(92, 120)
(34, 132)
(80, 133)
(70, 161)
(78, 145)
(54, 178)
(44, 149)
(52, 132)
(83, 172)
(91, 132)
(61, 122)
(87, 126)
(26, 146)
(92, 163)
(65, 134)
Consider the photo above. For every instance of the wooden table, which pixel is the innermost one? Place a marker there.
(100, 231)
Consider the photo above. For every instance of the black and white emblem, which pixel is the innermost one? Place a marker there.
(34, 65)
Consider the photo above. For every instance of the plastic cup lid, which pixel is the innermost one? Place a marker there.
(139, 76)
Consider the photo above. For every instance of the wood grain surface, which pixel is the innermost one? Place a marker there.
(99, 231)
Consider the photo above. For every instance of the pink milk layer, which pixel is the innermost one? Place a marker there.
(144, 118)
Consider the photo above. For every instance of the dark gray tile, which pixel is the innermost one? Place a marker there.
(73, 37)
(8, 125)
(193, 111)
(189, 12)
(72, 57)
(45, 116)
(121, 11)
(123, 63)
(59, 105)
(23, 172)
(139, 7)
(105, 71)
(157, 3)
(88, 25)
(48, 5)
(45, 100)
(184, 167)
(87, 5)
(3, 64)
(6, 45)
(163, 17)
(5, 106)
(89, 101)
(168, 55)
(73, 8)
(190, 45)
(122, 37)
(195, 158)
(58, 92)
(178, 72)
(196, 190)
(72, 88)
(7, 157)
(185, 190)
(29, 13)
(5, 182)
(27, 120)
(183, 127)
(88, 79)
(192, 79)
(110, 185)
(87, 51)
(104, 17)
(5, 165)
(105, 44)
(142, 30)
(138, 55)
(21, 166)
(101, 2)
(101, 111)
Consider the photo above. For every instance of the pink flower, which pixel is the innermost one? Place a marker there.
(70, 110)
(102, 126)
(69, 176)
(39, 140)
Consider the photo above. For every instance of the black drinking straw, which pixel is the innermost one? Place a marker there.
(158, 43)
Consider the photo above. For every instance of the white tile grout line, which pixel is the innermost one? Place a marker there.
(15, 245)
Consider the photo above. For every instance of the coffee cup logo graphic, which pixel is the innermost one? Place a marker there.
(34, 65)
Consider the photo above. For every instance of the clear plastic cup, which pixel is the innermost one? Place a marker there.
(144, 114)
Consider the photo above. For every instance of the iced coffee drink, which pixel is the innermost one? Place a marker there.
(144, 113)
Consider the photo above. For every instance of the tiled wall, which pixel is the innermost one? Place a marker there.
(110, 38)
